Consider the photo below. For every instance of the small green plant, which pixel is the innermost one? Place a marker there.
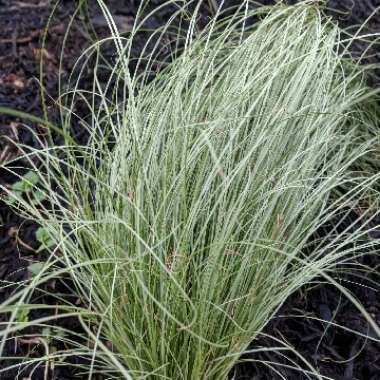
(44, 237)
(23, 316)
(35, 268)
(26, 186)
(27, 182)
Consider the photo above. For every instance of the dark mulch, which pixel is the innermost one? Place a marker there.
(336, 352)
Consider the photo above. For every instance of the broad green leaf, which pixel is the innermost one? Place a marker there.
(44, 238)
(38, 196)
(13, 197)
(35, 268)
(26, 183)
(31, 177)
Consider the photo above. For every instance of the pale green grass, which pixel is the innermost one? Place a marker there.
(190, 216)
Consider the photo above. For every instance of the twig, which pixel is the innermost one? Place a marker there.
(21, 40)
(22, 5)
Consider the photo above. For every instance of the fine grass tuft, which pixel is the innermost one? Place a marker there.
(191, 214)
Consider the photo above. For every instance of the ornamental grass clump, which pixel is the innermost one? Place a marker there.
(192, 213)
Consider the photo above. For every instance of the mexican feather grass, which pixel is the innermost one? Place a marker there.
(191, 214)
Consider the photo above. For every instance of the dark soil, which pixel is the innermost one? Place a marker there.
(337, 353)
